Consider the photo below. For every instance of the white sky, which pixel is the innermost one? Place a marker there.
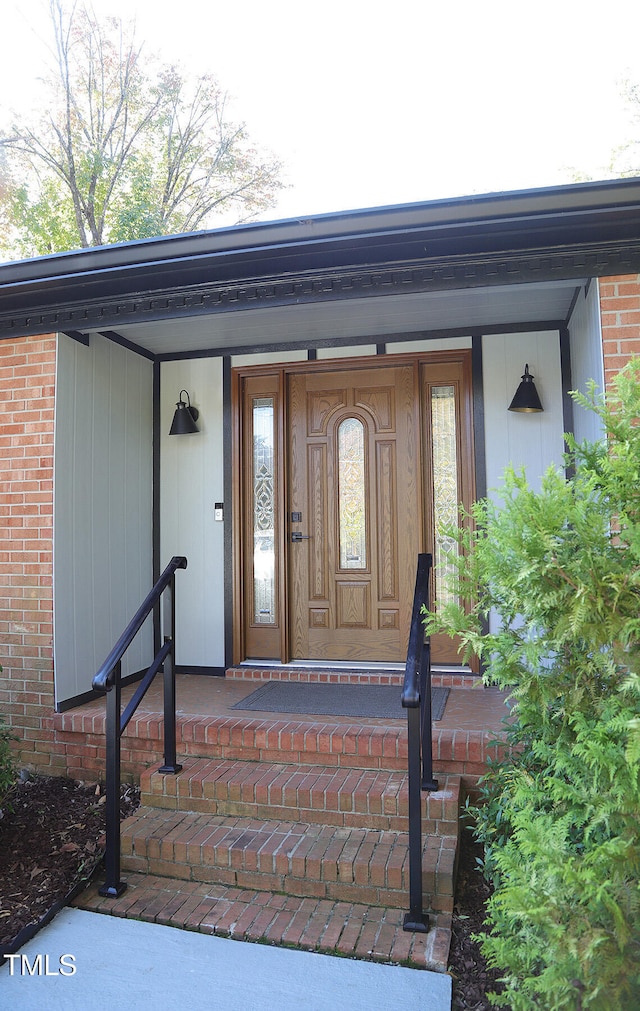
(371, 103)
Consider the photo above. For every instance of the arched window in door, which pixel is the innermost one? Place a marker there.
(352, 516)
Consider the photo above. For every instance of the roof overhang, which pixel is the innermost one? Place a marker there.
(547, 239)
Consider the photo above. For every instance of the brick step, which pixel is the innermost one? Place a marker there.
(452, 678)
(81, 733)
(316, 675)
(369, 798)
(345, 928)
(313, 741)
(297, 858)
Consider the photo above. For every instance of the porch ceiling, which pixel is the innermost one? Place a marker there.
(317, 324)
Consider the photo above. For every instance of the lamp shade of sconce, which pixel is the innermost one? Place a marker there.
(185, 417)
(526, 399)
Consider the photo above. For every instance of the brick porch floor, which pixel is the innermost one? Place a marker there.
(205, 716)
(288, 830)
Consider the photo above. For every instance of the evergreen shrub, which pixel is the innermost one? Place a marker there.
(7, 765)
(555, 576)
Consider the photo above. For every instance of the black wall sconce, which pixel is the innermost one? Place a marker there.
(526, 399)
(185, 417)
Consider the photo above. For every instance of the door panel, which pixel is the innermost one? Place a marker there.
(353, 443)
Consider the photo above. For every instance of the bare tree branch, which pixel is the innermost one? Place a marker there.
(128, 148)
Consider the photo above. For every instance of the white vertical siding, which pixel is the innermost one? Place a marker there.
(438, 344)
(585, 337)
(531, 440)
(358, 351)
(268, 358)
(191, 482)
(102, 507)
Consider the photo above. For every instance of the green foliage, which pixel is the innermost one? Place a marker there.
(7, 765)
(124, 148)
(41, 223)
(557, 575)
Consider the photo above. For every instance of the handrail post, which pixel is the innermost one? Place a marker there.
(415, 919)
(428, 782)
(416, 699)
(108, 679)
(169, 681)
(113, 886)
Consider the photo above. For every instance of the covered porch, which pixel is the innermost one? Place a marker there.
(330, 301)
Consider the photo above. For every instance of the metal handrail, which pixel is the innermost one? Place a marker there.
(411, 686)
(102, 681)
(416, 699)
(108, 679)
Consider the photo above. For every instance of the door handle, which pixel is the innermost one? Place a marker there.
(297, 536)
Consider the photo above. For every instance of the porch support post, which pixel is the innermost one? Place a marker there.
(169, 623)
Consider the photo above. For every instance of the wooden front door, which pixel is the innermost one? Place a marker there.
(354, 512)
(344, 473)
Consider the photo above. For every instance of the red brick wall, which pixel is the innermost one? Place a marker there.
(27, 384)
(620, 312)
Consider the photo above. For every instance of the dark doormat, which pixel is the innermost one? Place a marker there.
(379, 701)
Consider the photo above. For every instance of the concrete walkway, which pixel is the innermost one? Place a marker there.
(120, 963)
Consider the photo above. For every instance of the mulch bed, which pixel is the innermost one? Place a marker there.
(52, 840)
(472, 980)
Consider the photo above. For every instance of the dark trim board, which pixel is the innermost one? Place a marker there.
(200, 671)
(78, 336)
(156, 498)
(227, 478)
(574, 300)
(116, 338)
(478, 417)
(77, 700)
(92, 695)
(567, 383)
(479, 442)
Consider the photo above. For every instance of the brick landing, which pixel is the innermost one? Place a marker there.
(344, 928)
(209, 727)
